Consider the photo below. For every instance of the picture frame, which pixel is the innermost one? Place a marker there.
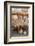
(18, 22)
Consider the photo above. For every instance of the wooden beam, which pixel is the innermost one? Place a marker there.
(22, 14)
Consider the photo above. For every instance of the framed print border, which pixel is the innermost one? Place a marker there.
(5, 22)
